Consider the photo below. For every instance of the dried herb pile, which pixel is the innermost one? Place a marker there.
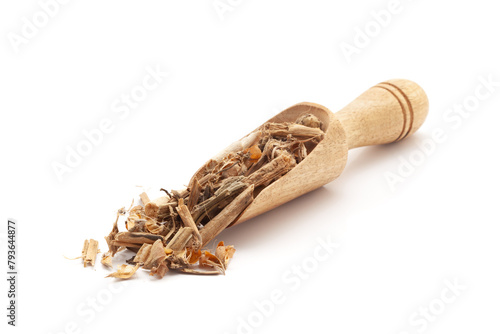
(171, 232)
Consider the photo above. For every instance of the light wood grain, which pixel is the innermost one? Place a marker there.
(387, 112)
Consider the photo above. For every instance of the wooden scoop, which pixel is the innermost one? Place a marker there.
(385, 113)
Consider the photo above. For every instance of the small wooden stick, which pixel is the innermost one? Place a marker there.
(227, 215)
(89, 252)
(199, 272)
(137, 238)
(272, 170)
(187, 219)
(230, 187)
(194, 194)
(144, 198)
(180, 239)
(125, 244)
(296, 130)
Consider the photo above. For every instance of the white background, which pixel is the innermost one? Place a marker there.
(399, 246)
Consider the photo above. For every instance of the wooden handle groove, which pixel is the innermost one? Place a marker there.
(387, 112)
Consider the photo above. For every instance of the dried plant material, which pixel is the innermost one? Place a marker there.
(135, 220)
(156, 255)
(111, 236)
(188, 221)
(239, 145)
(154, 227)
(136, 209)
(254, 153)
(137, 238)
(170, 232)
(193, 256)
(144, 198)
(124, 271)
(136, 225)
(172, 227)
(158, 207)
(160, 270)
(194, 195)
(106, 260)
(143, 254)
(89, 252)
(228, 189)
(199, 272)
(181, 238)
(207, 259)
(227, 215)
(273, 170)
(309, 120)
(177, 259)
(224, 253)
(295, 130)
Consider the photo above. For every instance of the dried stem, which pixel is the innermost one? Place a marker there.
(227, 215)
(188, 221)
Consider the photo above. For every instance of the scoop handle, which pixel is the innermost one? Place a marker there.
(385, 113)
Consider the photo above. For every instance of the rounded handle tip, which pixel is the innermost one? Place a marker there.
(385, 113)
(413, 101)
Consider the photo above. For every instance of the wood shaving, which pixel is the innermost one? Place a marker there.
(106, 260)
(124, 271)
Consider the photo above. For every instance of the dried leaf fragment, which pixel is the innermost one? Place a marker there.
(156, 255)
(207, 259)
(160, 270)
(193, 256)
(124, 271)
(153, 227)
(224, 253)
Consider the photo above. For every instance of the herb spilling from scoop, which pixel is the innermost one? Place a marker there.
(171, 232)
